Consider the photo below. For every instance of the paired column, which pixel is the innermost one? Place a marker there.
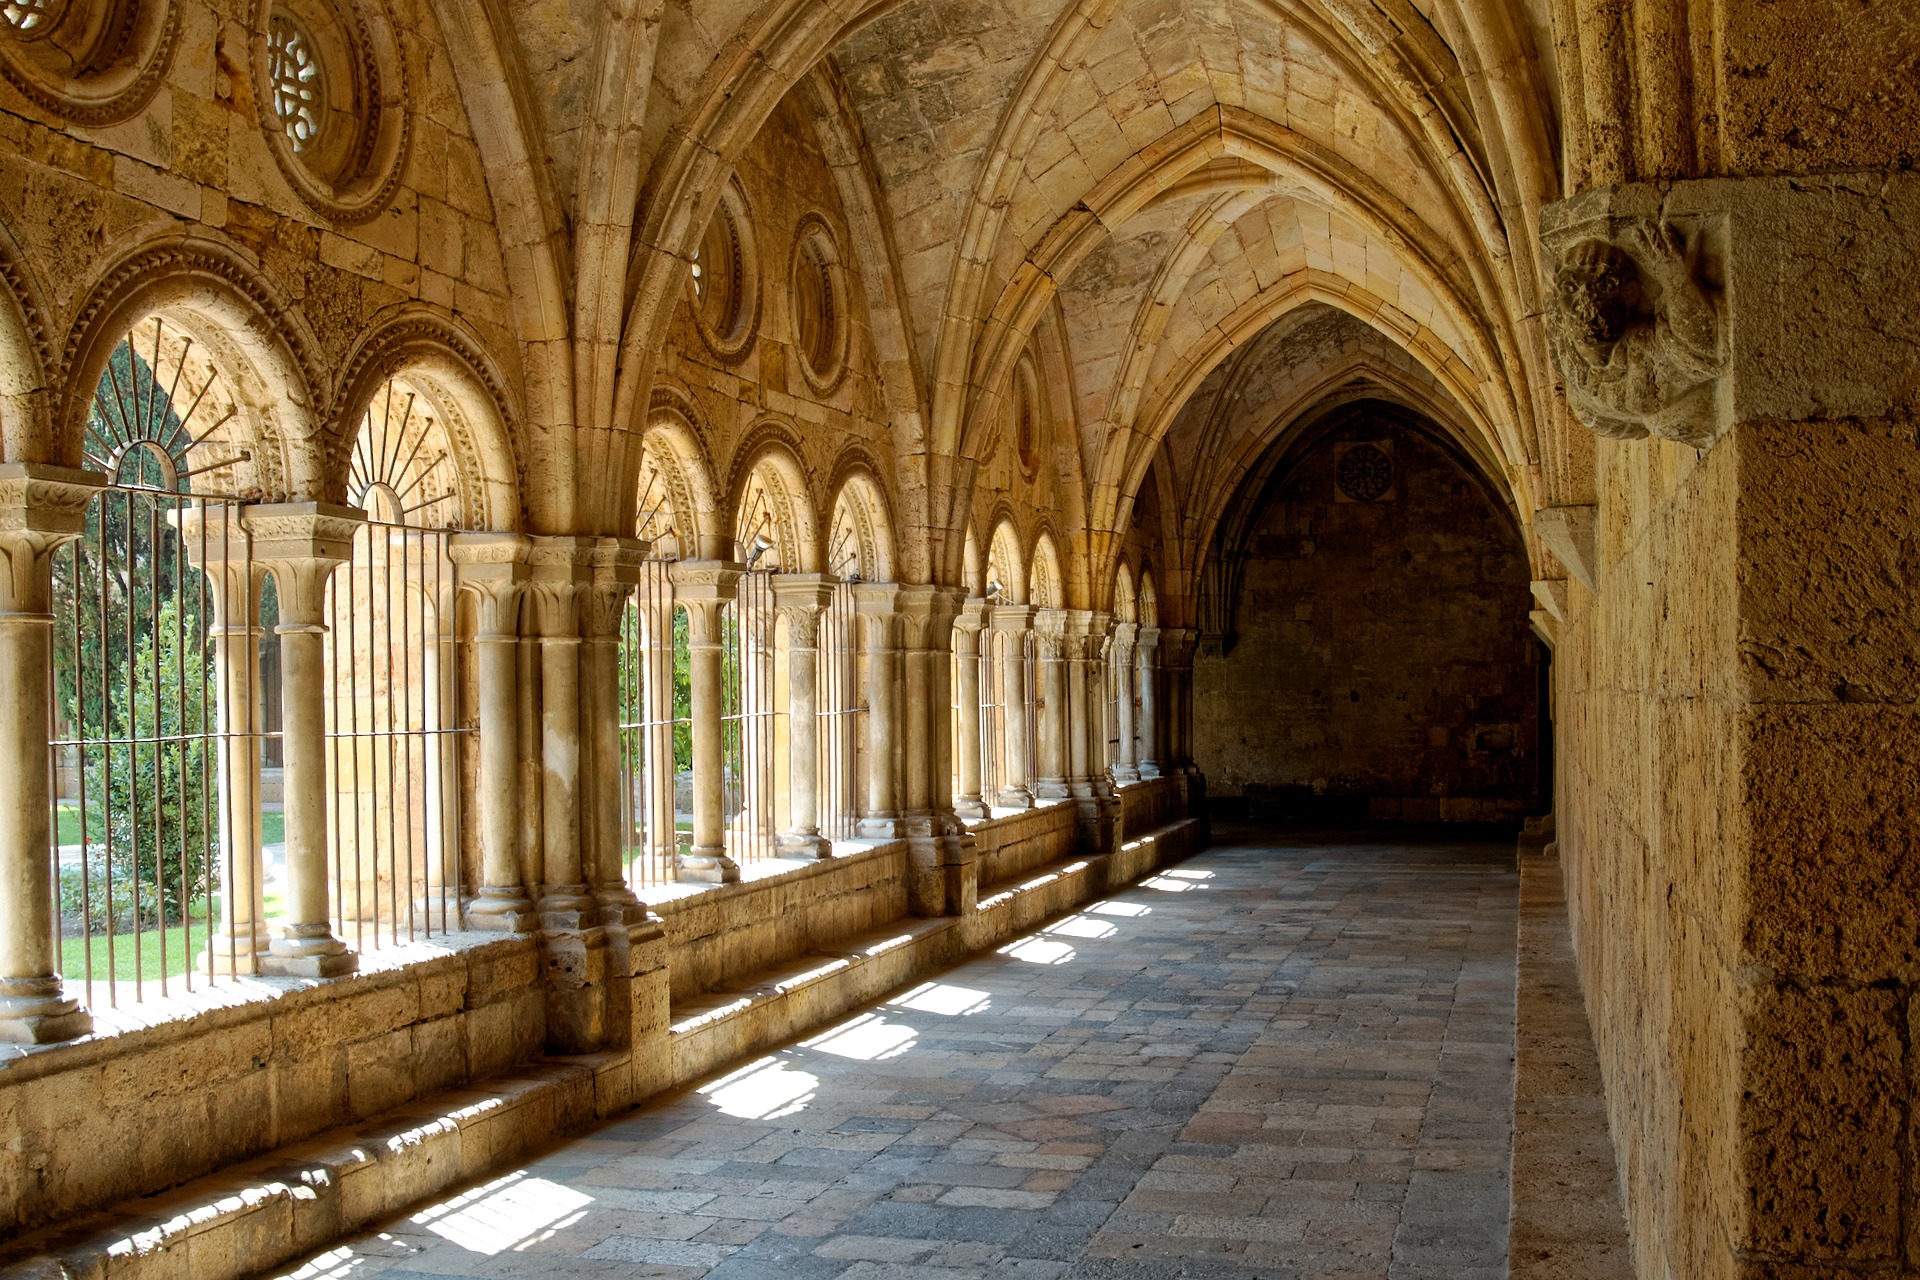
(703, 588)
(1050, 634)
(492, 568)
(1146, 674)
(40, 508)
(877, 605)
(1125, 764)
(301, 544)
(1011, 626)
(616, 571)
(969, 637)
(799, 601)
(560, 575)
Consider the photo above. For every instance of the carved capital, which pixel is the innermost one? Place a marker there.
(1012, 619)
(1636, 319)
(704, 587)
(616, 571)
(1176, 646)
(41, 508)
(926, 616)
(492, 568)
(798, 600)
(301, 544)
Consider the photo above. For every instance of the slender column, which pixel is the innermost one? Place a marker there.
(40, 508)
(1049, 626)
(217, 543)
(800, 599)
(441, 783)
(491, 568)
(970, 632)
(560, 576)
(1080, 710)
(1125, 634)
(704, 587)
(662, 766)
(926, 638)
(1011, 624)
(301, 544)
(1146, 653)
(616, 570)
(877, 606)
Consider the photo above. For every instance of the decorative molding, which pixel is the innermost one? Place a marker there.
(1571, 533)
(151, 59)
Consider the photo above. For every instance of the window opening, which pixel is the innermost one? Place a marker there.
(294, 71)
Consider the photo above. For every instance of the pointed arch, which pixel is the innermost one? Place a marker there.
(1007, 563)
(770, 505)
(860, 538)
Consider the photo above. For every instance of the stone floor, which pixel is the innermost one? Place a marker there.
(1286, 1057)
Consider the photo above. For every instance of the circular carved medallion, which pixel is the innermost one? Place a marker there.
(1365, 473)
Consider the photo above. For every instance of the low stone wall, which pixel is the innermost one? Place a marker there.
(359, 1088)
(264, 1063)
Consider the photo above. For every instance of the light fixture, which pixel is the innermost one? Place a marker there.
(761, 545)
(993, 589)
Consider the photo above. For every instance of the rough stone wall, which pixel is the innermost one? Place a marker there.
(1382, 662)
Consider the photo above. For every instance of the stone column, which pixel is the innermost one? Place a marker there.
(491, 567)
(301, 544)
(704, 587)
(1125, 634)
(1176, 665)
(560, 573)
(940, 852)
(969, 635)
(800, 599)
(877, 605)
(616, 571)
(41, 507)
(1050, 782)
(1011, 623)
(1146, 674)
(216, 543)
(439, 760)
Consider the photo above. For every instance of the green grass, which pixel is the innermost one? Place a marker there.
(273, 826)
(73, 954)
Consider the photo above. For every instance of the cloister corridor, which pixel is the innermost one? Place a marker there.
(1287, 1056)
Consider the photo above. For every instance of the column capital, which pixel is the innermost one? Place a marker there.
(976, 614)
(615, 572)
(1146, 640)
(493, 567)
(41, 507)
(1125, 635)
(1177, 645)
(1011, 619)
(705, 581)
(302, 543)
(802, 591)
(927, 615)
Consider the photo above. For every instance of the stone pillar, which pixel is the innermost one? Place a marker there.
(800, 599)
(1011, 624)
(616, 571)
(1125, 635)
(941, 879)
(441, 785)
(559, 574)
(969, 635)
(1087, 781)
(216, 542)
(41, 507)
(704, 587)
(1051, 763)
(1736, 689)
(877, 605)
(1176, 665)
(1146, 674)
(301, 544)
(491, 568)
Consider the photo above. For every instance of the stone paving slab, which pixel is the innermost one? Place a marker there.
(1290, 1057)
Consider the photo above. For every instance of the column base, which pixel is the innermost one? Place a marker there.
(795, 844)
(48, 1019)
(1014, 798)
(1052, 789)
(500, 910)
(567, 907)
(1125, 773)
(707, 864)
(308, 951)
(226, 954)
(619, 906)
(880, 827)
(972, 808)
(1149, 771)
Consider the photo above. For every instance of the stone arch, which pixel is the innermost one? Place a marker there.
(1005, 557)
(769, 499)
(674, 458)
(861, 527)
(1149, 600)
(432, 357)
(1046, 585)
(25, 361)
(1125, 602)
(253, 338)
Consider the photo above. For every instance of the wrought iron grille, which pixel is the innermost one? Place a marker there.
(750, 720)
(393, 731)
(841, 716)
(993, 720)
(656, 730)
